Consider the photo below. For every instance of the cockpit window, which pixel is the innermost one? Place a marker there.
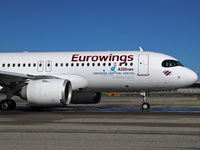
(171, 63)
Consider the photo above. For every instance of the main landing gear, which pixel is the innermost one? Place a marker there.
(145, 105)
(7, 104)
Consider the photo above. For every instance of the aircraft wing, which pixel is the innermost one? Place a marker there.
(13, 79)
(16, 81)
(6, 76)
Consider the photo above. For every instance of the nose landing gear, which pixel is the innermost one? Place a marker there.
(145, 105)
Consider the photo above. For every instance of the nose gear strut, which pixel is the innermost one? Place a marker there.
(145, 105)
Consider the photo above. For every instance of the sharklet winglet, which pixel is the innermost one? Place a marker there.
(140, 48)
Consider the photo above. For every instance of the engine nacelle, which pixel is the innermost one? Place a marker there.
(47, 92)
(85, 98)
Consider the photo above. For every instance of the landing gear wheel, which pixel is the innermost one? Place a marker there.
(12, 104)
(4, 105)
(7, 105)
(145, 106)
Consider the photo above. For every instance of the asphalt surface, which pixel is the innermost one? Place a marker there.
(114, 123)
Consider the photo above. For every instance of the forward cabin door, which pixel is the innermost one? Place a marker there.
(143, 65)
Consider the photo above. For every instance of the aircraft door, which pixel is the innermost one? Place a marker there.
(48, 66)
(40, 66)
(143, 65)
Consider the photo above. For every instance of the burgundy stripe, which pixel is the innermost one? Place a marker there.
(168, 73)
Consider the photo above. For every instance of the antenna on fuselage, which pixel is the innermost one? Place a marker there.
(141, 50)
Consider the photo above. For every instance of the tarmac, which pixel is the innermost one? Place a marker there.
(114, 123)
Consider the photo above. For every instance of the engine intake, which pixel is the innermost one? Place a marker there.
(47, 92)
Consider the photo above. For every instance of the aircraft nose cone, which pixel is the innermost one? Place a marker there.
(192, 77)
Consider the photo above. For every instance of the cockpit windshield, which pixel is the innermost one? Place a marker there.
(171, 63)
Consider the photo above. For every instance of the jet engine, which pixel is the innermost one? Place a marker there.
(47, 92)
(85, 98)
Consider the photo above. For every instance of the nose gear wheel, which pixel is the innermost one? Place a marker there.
(145, 106)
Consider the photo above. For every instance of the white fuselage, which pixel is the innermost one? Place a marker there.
(102, 71)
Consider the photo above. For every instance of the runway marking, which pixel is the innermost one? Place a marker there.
(110, 109)
(64, 131)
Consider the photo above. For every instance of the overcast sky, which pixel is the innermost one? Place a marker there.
(166, 26)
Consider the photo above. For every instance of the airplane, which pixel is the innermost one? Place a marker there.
(50, 79)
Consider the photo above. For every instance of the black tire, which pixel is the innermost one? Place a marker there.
(5, 105)
(12, 104)
(145, 106)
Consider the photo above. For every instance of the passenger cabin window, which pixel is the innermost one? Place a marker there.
(171, 63)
